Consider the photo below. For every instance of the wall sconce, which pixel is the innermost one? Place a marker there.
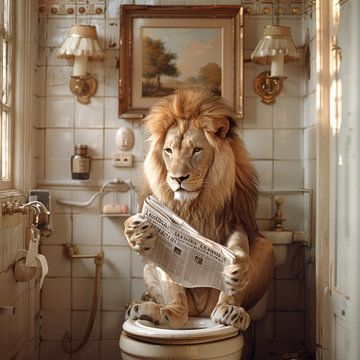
(82, 45)
(276, 47)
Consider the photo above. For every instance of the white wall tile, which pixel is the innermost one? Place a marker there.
(60, 265)
(288, 112)
(137, 265)
(85, 267)
(57, 30)
(288, 144)
(115, 294)
(117, 262)
(111, 324)
(90, 115)
(60, 111)
(259, 143)
(257, 114)
(288, 174)
(57, 169)
(137, 289)
(86, 229)
(89, 352)
(57, 80)
(60, 224)
(310, 143)
(52, 350)
(56, 294)
(110, 350)
(59, 143)
(93, 138)
(111, 114)
(82, 290)
(54, 324)
(80, 321)
(113, 231)
(264, 169)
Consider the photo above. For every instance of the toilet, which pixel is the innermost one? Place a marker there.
(199, 338)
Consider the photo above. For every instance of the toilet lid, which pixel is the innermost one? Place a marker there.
(196, 330)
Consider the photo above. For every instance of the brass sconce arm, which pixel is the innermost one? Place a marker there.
(83, 87)
(268, 87)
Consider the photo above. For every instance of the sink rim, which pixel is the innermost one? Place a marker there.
(278, 237)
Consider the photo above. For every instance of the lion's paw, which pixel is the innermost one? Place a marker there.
(236, 276)
(140, 234)
(147, 310)
(231, 315)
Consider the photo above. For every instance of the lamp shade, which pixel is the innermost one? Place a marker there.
(81, 41)
(276, 41)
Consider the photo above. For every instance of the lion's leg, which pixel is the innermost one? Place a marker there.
(228, 309)
(171, 305)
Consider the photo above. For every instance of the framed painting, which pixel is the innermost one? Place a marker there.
(163, 48)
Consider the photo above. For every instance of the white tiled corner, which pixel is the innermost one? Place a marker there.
(288, 174)
(288, 144)
(287, 112)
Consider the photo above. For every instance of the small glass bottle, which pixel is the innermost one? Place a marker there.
(80, 163)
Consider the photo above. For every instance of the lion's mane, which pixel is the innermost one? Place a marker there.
(229, 196)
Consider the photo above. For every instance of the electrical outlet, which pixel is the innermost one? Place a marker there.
(122, 160)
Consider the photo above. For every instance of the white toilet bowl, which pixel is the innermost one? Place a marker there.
(200, 338)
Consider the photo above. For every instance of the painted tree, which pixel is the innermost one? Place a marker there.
(158, 61)
(210, 76)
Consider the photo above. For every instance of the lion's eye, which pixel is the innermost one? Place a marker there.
(196, 150)
(168, 151)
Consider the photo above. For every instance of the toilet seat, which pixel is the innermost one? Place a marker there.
(195, 331)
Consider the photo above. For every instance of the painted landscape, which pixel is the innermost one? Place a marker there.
(180, 57)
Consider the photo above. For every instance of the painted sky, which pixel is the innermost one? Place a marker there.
(195, 47)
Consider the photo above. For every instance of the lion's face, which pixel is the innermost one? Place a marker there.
(188, 157)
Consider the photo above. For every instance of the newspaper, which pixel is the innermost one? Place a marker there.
(189, 258)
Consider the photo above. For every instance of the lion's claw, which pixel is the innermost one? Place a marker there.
(231, 315)
(140, 235)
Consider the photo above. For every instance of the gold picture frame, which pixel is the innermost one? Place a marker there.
(165, 47)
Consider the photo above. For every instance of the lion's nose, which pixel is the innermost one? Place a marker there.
(180, 179)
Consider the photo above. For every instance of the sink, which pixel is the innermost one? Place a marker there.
(278, 237)
(280, 241)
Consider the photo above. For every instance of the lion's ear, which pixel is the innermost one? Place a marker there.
(220, 127)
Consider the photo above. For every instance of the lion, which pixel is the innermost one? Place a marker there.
(198, 167)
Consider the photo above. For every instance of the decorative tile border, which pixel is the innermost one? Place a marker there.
(97, 7)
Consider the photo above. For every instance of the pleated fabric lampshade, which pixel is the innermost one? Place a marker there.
(81, 44)
(276, 47)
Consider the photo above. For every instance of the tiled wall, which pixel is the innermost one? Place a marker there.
(18, 332)
(274, 136)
